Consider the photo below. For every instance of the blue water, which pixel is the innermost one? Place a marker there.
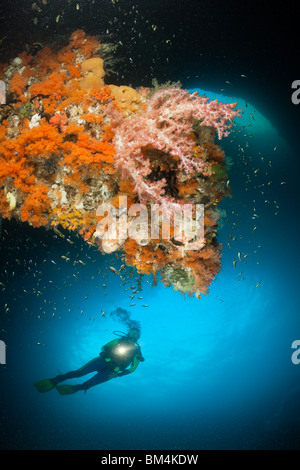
(217, 373)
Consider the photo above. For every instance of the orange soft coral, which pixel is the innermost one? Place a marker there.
(41, 141)
(86, 45)
(45, 62)
(17, 84)
(54, 85)
(36, 206)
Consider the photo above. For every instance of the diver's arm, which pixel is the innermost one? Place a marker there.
(135, 362)
(131, 369)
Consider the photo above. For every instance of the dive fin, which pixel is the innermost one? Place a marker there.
(66, 389)
(44, 385)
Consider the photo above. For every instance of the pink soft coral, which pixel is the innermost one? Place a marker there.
(166, 125)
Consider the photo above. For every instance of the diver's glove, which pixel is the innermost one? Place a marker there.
(141, 358)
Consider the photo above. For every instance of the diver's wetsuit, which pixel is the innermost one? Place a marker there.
(112, 362)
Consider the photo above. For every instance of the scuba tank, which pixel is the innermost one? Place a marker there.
(123, 352)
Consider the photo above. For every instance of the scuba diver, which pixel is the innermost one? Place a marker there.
(113, 361)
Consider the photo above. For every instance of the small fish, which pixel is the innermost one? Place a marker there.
(53, 261)
(234, 263)
(58, 232)
(258, 284)
(145, 305)
(239, 256)
(251, 115)
(113, 270)
(81, 262)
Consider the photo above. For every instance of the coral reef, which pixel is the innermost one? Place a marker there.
(70, 143)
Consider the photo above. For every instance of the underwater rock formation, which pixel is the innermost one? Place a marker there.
(69, 143)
